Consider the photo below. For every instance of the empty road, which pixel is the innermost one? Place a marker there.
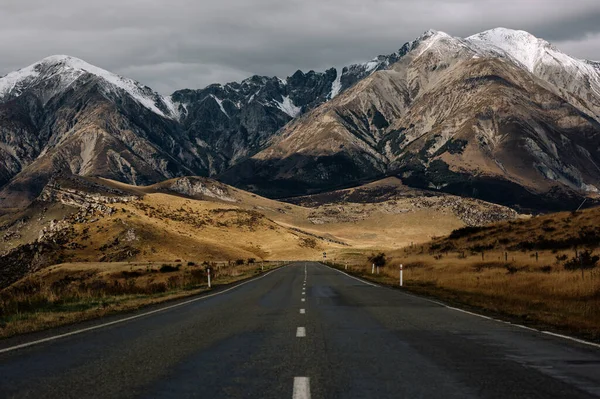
(302, 331)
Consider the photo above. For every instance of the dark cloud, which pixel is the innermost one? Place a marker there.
(170, 44)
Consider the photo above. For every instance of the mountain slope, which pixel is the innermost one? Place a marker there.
(466, 118)
(501, 116)
(63, 114)
(237, 120)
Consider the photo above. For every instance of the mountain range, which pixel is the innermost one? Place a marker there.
(501, 116)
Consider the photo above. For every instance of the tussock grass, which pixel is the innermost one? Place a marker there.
(557, 299)
(70, 293)
(517, 269)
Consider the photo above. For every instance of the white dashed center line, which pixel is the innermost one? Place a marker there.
(301, 332)
(302, 311)
(301, 388)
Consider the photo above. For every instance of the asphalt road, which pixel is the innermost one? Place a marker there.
(353, 340)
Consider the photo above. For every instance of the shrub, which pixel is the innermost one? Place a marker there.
(173, 282)
(133, 273)
(191, 264)
(168, 268)
(466, 231)
(239, 262)
(546, 269)
(197, 276)
(511, 269)
(379, 260)
(584, 261)
(156, 288)
(561, 258)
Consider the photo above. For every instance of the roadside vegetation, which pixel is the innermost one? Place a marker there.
(69, 293)
(543, 272)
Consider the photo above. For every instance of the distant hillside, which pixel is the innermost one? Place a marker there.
(77, 219)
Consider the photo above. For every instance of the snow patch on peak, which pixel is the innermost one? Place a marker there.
(430, 39)
(173, 107)
(69, 69)
(288, 107)
(432, 34)
(336, 86)
(220, 102)
(371, 65)
(14, 80)
(522, 46)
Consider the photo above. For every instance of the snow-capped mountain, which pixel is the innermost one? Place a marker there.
(55, 74)
(577, 80)
(238, 119)
(500, 109)
(62, 114)
(500, 115)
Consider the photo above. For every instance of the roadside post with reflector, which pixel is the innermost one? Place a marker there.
(401, 275)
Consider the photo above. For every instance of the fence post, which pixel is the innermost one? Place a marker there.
(208, 277)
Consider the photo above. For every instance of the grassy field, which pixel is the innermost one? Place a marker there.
(526, 271)
(514, 268)
(69, 293)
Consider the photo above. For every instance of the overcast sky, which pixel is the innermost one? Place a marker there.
(173, 44)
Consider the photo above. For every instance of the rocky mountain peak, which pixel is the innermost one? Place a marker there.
(53, 75)
(435, 104)
(522, 46)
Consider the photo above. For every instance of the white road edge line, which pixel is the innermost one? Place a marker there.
(301, 388)
(355, 278)
(467, 312)
(40, 341)
(302, 311)
(301, 332)
(581, 341)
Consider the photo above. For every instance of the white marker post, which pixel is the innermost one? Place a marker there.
(346, 265)
(209, 278)
(401, 275)
(373, 269)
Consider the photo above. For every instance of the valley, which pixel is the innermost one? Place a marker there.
(450, 156)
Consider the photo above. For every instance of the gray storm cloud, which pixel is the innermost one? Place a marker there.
(175, 44)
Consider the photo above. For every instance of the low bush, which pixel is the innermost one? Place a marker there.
(584, 261)
(168, 268)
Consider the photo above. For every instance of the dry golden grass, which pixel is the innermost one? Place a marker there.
(69, 293)
(163, 227)
(560, 299)
(515, 269)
